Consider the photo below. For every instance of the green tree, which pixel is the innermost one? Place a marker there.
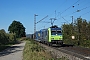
(67, 33)
(88, 31)
(12, 38)
(17, 28)
(3, 37)
(80, 29)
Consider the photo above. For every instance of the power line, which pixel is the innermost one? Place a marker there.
(67, 9)
(42, 19)
(73, 12)
(81, 9)
(37, 22)
(85, 13)
(45, 22)
(84, 4)
(78, 10)
(57, 8)
(65, 19)
(44, 25)
(70, 6)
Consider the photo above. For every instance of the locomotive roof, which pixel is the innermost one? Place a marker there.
(55, 28)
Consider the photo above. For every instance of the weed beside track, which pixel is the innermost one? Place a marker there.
(36, 51)
(33, 51)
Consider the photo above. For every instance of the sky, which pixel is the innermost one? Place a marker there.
(24, 10)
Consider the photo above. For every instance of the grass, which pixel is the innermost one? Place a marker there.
(33, 51)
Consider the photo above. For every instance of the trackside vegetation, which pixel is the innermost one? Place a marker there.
(33, 51)
(6, 39)
(16, 30)
(80, 29)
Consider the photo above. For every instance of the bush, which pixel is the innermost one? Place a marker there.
(3, 37)
(85, 43)
(12, 38)
(33, 51)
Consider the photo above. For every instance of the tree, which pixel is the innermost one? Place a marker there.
(68, 32)
(88, 31)
(17, 28)
(80, 29)
(3, 37)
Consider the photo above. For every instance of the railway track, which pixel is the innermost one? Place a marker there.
(72, 53)
(82, 53)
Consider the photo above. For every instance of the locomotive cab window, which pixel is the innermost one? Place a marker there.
(53, 32)
(59, 32)
(56, 32)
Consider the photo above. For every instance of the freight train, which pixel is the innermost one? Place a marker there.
(51, 35)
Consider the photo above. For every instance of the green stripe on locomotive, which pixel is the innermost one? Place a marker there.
(49, 35)
(53, 37)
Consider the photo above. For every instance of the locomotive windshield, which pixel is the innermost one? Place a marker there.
(56, 32)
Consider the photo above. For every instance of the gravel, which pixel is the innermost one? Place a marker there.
(14, 52)
(61, 52)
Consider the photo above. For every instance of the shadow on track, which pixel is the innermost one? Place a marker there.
(64, 45)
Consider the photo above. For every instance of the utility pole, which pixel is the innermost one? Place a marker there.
(35, 22)
(55, 14)
(73, 37)
(72, 20)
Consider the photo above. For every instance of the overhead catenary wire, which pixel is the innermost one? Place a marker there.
(82, 9)
(67, 9)
(43, 26)
(45, 22)
(84, 4)
(57, 8)
(70, 6)
(77, 11)
(65, 19)
(42, 19)
(85, 13)
(72, 12)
